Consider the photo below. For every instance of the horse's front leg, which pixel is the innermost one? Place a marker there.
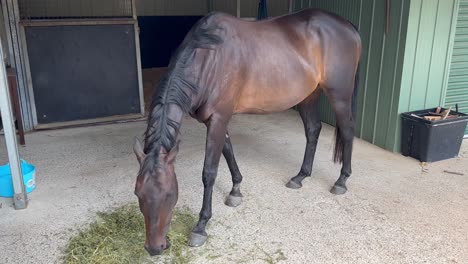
(217, 127)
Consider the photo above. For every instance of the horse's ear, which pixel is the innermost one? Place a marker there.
(138, 149)
(173, 153)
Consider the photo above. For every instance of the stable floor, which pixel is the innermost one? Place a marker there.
(396, 211)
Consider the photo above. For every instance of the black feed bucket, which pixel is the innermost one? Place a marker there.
(430, 141)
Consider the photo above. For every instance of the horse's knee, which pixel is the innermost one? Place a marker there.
(209, 178)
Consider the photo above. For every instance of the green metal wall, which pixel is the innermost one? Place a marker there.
(428, 51)
(457, 90)
(381, 64)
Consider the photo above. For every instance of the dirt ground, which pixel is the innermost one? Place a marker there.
(396, 211)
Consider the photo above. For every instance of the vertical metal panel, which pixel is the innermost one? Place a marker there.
(249, 8)
(118, 8)
(172, 7)
(278, 7)
(136, 33)
(373, 65)
(145, 7)
(34, 9)
(20, 197)
(381, 64)
(423, 55)
(457, 90)
(185, 8)
(427, 55)
(226, 6)
(4, 37)
(15, 43)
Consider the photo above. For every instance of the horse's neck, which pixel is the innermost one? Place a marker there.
(164, 129)
(175, 113)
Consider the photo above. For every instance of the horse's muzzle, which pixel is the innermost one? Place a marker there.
(157, 250)
(154, 251)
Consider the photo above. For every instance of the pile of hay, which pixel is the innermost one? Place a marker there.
(118, 237)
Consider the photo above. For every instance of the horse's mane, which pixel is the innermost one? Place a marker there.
(176, 88)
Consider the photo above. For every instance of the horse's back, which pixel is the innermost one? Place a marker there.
(285, 58)
(272, 65)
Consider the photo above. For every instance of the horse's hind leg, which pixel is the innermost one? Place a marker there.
(309, 111)
(341, 101)
(234, 198)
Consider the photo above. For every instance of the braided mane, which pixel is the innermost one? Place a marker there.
(176, 88)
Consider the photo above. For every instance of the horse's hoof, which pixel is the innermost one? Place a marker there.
(233, 201)
(338, 190)
(197, 240)
(293, 185)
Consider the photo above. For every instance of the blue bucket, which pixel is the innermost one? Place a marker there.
(6, 184)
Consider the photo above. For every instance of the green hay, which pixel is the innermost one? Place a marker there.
(118, 237)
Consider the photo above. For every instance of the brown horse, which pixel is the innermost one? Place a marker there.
(228, 66)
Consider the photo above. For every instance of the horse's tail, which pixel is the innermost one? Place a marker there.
(355, 92)
(339, 144)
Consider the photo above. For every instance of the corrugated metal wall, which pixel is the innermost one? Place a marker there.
(3, 36)
(74, 8)
(277, 7)
(381, 64)
(172, 7)
(431, 31)
(457, 91)
(249, 8)
(226, 6)
(104, 8)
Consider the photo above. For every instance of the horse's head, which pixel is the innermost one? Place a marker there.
(157, 190)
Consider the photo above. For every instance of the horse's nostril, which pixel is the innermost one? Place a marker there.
(153, 251)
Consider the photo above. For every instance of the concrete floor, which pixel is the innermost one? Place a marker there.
(394, 211)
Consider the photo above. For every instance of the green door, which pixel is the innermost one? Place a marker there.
(457, 91)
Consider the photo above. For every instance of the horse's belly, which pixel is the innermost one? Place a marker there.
(276, 83)
(260, 100)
